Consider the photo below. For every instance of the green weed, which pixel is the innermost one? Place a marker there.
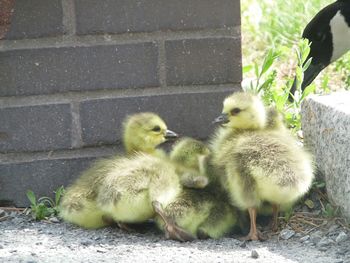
(330, 211)
(45, 206)
(278, 25)
(266, 85)
(343, 66)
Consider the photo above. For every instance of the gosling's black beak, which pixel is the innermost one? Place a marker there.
(223, 118)
(170, 135)
(309, 75)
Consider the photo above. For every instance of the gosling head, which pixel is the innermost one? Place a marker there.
(187, 152)
(143, 132)
(242, 111)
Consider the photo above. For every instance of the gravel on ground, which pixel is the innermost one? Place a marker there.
(25, 240)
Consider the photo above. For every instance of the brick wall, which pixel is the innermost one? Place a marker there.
(70, 71)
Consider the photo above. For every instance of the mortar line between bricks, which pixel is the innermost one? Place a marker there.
(80, 96)
(69, 19)
(162, 63)
(76, 134)
(116, 39)
(100, 151)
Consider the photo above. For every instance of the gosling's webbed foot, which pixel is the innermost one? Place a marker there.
(201, 234)
(125, 227)
(108, 220)
(172, 231)
(158, 208)
(254, 236)
(274, 220)
(274, 226)
(254, 233)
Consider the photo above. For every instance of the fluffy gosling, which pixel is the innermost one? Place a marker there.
(142, 132)
(196, 213)
(260, 163)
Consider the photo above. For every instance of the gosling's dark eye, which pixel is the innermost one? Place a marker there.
(156, 129)
(235, 111)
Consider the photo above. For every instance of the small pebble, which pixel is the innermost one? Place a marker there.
(305, 238)
(341, 237)
(322, 248)
(254, 254)
(316, 237)
(54, 220)
(243, 244)
(17, 221)
(1, 247)
(13, 214)
(86, 242)
(287, 233)
(325, 241)
(333, 228)
(298, 235)
(101, 250)
(342, 251)
(2, 213)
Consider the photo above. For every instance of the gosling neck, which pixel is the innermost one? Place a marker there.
(131, 149)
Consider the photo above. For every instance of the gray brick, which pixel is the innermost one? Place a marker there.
(187, 114)
(118, 16)
(43, 71)
(42, 177)
(35, 128)
(36, 18)
(203, 61)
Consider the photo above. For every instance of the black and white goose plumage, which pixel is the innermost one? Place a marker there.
(329, 34)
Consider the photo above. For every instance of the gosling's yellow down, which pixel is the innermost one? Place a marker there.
(261, 163)
(196, 213)
(132, 185)
(135, 188)
(142, 132)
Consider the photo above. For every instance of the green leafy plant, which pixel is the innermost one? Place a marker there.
(330, 211)
(292, 114)
(278, 25)
(343, 65)
(44, 207)
(265, 84)
(288, 213)
(319, 184)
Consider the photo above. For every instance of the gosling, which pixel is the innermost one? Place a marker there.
(261, 163)
(142, 132)
(196, 213)
(135, 190)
